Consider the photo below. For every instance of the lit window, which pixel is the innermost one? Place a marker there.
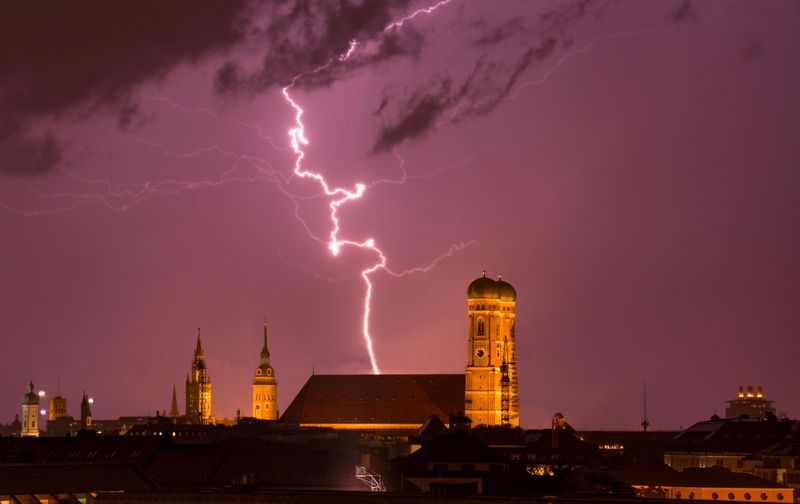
(481, 328)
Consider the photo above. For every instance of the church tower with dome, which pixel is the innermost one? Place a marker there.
(265, 386)
(491, 383)
(30, 413)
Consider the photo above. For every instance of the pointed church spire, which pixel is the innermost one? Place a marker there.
(264, 349)
(198, 349)
(86, 412)
(173, 410)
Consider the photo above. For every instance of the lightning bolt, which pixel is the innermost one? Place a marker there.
(340, 196)
(121, 197)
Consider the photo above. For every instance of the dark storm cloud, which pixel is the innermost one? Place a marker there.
(487, 85)
(312, 34)
(500, 33)
(685, 12)
(422, 113)
(751, 51)
(26, 154)
(70, 57)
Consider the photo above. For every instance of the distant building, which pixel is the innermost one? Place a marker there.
(265, 386)
(30, 413)
(713, 484)
(768, 449)
(198, 389)
(454, 463)
(58, 408)
(13, 429)
(750, 405)
(375, 402)
(86, 412)
(492, 390)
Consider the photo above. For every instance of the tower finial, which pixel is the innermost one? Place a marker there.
(198, 349)
(483, 272)
(264, 348)
(500, 277)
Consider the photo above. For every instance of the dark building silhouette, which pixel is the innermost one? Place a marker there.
(400, 403)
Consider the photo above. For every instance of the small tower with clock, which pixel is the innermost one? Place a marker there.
(265, 386)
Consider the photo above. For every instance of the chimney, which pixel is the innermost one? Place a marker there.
(741, 391)
(760, 392)
(749, 391)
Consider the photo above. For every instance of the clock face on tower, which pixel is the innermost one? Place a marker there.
(479, 353)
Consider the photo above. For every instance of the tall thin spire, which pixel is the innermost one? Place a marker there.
(264, 349)
(645, 422)
(198, 349)
(173, 410)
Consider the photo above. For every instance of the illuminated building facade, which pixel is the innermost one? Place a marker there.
(491, 390)
(265, 387)
(58, 408)
(198, 389)
(30, 413)
(751, 404)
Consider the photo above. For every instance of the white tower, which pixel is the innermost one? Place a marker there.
(30, 413)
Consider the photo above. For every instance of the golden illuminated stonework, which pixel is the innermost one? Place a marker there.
(265, 387)
(492, 394)
(198, 389)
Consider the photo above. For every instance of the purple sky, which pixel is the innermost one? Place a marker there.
(630, 167)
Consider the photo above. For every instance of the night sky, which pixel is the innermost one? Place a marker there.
(631, 168)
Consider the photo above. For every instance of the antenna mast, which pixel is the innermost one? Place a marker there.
(645, 423)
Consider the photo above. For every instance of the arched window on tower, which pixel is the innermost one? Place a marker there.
(481, 327)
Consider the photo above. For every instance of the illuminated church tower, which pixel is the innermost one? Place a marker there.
(198, 389)
(30, 413)
(265, 387)
(492, 394)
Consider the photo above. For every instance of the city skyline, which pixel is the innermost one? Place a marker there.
(630, 170)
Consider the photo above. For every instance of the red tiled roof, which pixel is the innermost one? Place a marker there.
(384, 399)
